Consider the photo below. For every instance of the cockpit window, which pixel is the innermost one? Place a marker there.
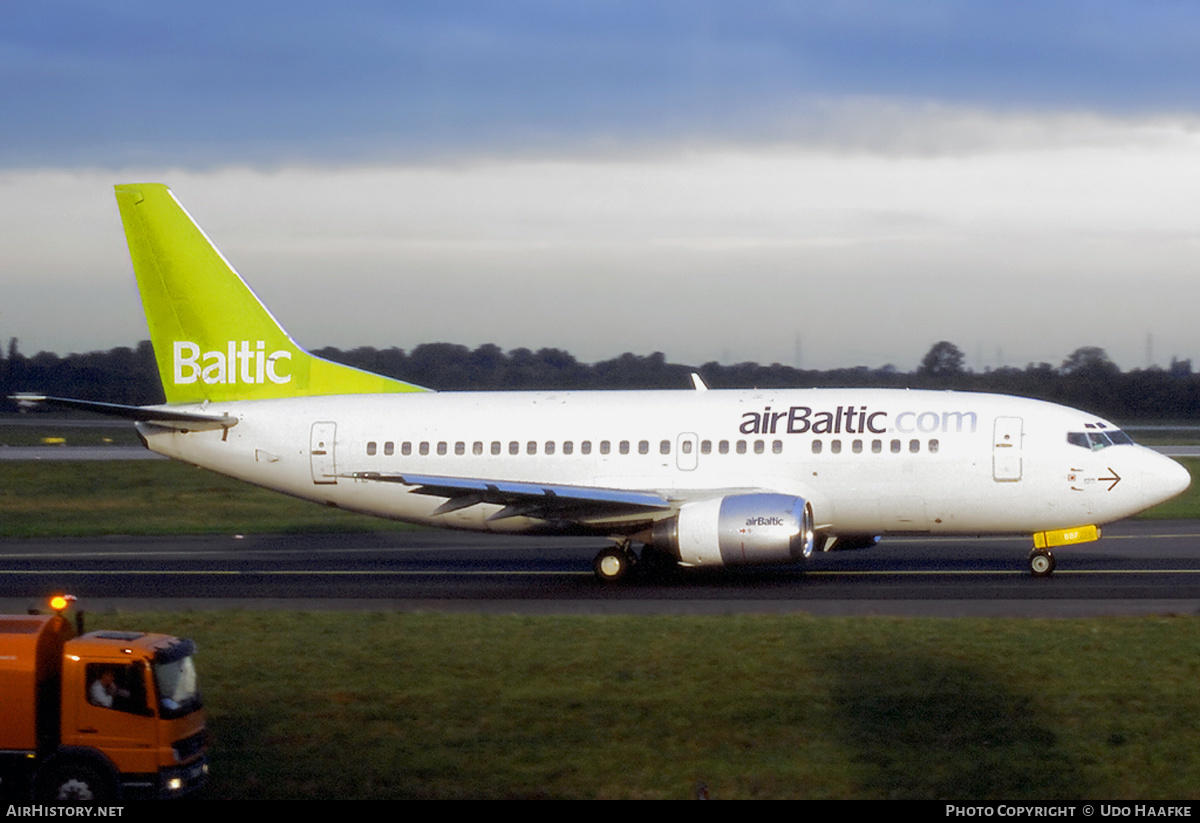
(1096, 440)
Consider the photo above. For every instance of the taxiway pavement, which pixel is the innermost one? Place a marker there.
(1139, 567)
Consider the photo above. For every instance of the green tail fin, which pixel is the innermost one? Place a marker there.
(213, 339)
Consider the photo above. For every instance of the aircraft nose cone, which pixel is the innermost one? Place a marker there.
(1164, 479)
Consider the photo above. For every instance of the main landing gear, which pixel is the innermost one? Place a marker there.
(619, 561)
(1041, 562)
(615, 563)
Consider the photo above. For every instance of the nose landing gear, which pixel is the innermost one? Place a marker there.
(1041, 562)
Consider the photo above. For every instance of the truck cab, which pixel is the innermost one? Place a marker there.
(101, 717)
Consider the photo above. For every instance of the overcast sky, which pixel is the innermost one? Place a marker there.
(816, 183)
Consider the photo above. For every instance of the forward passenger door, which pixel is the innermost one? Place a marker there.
(1006, 449)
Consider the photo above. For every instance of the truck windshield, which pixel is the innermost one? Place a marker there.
(175, 679)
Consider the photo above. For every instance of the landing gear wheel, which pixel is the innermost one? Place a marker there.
(613, 564)
(1041, 562)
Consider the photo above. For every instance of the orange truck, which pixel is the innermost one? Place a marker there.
(97, 718)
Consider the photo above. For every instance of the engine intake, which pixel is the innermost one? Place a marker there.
(737, 530)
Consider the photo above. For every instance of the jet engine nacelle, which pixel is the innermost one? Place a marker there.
(737, 530)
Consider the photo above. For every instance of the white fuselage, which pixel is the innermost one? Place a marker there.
(868, 461)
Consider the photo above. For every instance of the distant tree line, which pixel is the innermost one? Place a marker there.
(120, 375)
(1086, 379)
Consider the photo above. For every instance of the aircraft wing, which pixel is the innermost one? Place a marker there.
(545, 501)
(167, 418)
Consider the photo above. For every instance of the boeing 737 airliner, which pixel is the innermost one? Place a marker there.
(697, 477)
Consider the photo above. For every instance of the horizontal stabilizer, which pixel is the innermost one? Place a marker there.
(167, 418)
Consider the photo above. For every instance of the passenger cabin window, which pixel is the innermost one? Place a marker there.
(371, 447)
(389, 448)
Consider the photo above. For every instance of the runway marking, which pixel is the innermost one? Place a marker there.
(892, 539)
(298, 572)
(1154, 536)
(249, 551)
(559, 573)
(1003, 571)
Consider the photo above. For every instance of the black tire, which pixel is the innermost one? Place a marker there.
(612, 564)
(77, 782)
(1041, 563)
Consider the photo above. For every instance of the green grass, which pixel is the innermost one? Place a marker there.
(454, 706)
(1184, 507)
(1164, 432)
(308, 705)
(87, 498)
(94, 435)
(1165, 438)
